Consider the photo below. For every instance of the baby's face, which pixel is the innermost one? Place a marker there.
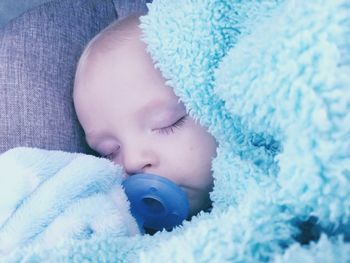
(130, 116)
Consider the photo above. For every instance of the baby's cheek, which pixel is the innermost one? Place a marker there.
(197, 156)
(191, 151)
(205, 144)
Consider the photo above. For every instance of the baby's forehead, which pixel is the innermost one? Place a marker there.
(117, 33)
(125, 35)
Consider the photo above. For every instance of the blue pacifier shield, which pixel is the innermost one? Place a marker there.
(156, 202)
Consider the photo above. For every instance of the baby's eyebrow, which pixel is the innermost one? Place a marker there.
(156, 105)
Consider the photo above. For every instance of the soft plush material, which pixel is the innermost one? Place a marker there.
(270, 80)
(38, 55)
(48, 197)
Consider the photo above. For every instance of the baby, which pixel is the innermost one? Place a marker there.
(131, 117)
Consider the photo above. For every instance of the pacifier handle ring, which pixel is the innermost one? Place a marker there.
(156, 202)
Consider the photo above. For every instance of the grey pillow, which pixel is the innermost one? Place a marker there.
(10, 9)
(38, 55)
(127, 7)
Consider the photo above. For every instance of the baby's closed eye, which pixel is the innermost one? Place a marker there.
(171, 128)
(110, 149)
(111, 155)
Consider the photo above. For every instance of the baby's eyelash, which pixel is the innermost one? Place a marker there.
(111, 155)
(172, 127)
(108, 156)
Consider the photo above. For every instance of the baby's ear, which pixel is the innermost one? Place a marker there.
(38, 55)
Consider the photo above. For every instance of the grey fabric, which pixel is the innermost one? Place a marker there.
(127, 7)
(12, 8)
(38, 55)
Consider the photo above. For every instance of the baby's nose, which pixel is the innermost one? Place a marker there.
(139, 161)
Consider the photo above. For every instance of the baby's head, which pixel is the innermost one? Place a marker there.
(130, 116)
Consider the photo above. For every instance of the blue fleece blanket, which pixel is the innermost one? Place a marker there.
(271, 81)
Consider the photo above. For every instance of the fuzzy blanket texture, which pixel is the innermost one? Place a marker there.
(271, 81)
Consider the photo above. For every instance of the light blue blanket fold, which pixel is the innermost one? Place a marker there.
(271, 81)
(47, 197)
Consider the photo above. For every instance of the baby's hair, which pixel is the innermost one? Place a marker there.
(114, 34)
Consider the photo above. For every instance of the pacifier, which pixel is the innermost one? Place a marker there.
(156, 202)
